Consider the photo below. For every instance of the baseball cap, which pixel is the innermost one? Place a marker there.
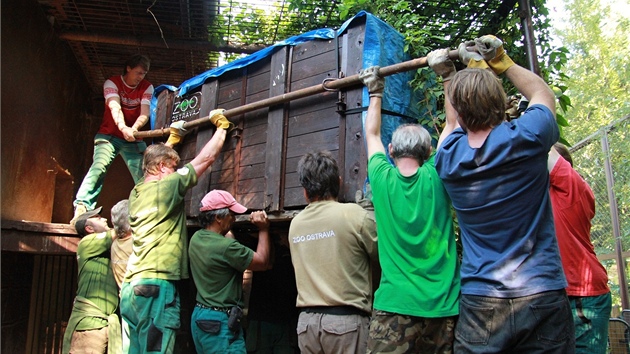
(82, 219)
(218, 199)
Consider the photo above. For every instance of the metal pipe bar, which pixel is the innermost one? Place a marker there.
(294, 95)
(614, 216)
(525, 13)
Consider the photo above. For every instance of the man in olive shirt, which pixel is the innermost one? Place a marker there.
(150, 303)
(333, 246)
(93, 326)
(217, 264)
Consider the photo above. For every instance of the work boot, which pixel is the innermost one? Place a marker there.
(78, 210)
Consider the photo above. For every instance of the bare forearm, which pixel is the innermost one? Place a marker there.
(117, 115)
(451, 116)
(143, 118)
(261, 256)
(532, 87)
(373, 126)
(209, 152)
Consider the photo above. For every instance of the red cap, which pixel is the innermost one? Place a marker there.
(217, 199)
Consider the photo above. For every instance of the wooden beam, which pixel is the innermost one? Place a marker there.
(38, 237)
(156, 42)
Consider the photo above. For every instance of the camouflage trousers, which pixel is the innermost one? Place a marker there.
(394, 333)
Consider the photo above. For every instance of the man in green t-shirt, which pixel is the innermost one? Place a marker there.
(217, 264)
(93, 326)
(417, 303)
(150, 303)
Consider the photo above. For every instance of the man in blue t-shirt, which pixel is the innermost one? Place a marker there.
(495, 172)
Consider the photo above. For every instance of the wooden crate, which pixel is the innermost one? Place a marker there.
(259, 159)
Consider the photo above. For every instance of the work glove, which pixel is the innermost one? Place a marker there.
(439, 61)
(219, 120)
(511, 108)
(373, 81)
(471, 59)
(177, 133)
(491, 48)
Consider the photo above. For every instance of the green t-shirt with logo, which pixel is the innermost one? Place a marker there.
(158, 220)
(217, 264)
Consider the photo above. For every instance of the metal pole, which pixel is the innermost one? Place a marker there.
(308, 91)
(525, 13)
(614, 216)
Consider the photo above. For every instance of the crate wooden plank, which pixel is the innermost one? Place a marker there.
(37, 237)
(256, 117)
(315, 66)
(258, 83)
(313, 103)
(229, 91)
(254, 135)
(274, 147)
(292, 162)
(248, 186)
(321, 140)
(252, 155)
(323, 119)
(309, 49)
(354, 167)
(252, 171)
(294, 198)
(314, 79)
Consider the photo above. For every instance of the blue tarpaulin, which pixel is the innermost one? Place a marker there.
(383, 46)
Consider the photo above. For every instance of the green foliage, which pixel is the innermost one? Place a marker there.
(596, 75)
(597, 72)
(412, 21)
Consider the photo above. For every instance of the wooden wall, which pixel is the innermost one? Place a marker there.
(49, 119)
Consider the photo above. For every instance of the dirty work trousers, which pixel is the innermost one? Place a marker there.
(151, 310)
(106, 148)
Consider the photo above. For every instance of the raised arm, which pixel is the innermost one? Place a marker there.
(260, 261)
(209, 152)
(451, 116)
(439, 61)
(532, 87)
(526, 82)
(375, 85)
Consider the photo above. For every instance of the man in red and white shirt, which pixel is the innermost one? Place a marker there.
(573, 205)
(127, 101)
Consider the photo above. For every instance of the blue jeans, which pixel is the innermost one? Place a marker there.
(539, 323)
(590, 317)
(211, 334)
(106, 148)
(150, 308)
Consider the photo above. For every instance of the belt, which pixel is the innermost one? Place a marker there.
(336, 310)
(213, 308)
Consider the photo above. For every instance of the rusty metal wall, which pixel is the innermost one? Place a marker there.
(49, 119)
